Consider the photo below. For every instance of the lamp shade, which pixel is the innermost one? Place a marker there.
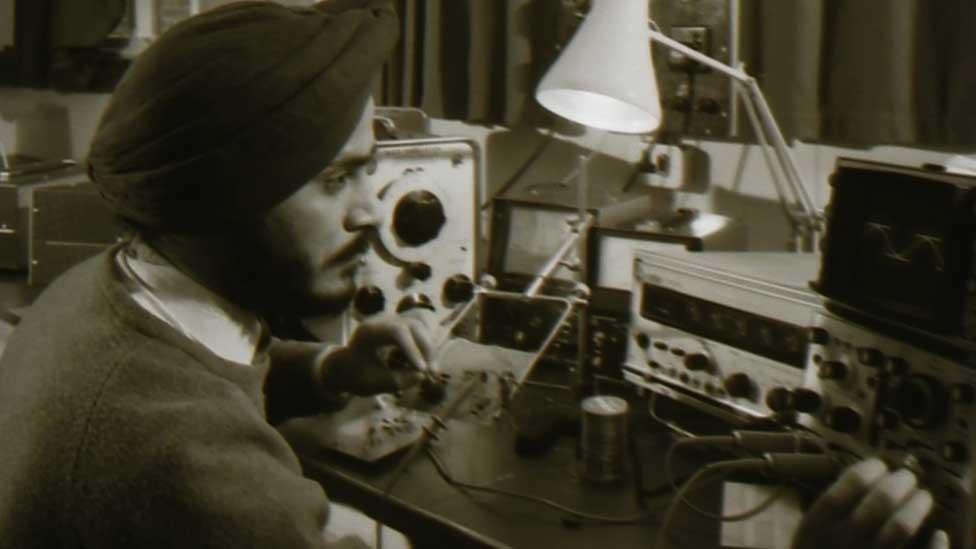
(604, 78)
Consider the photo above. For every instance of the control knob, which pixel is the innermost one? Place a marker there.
(897, 366)
(740, 385)
(779, 399)
(418, 217)
(870, 356)
(698, 362)
(818, 336)
(369, 300)
(832, 369)
(920, 400)
(419, 270)
(458, 288)
(844, 419)
(954, 452)
(806, 401)
(414, 301)
(964, 393)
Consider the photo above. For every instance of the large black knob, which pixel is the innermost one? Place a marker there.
(920, 400)
(414, 301)
(369, 300)
(458, 288)
(740, 385)
(844, 420)
(418, 218)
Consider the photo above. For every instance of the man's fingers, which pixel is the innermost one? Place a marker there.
(405, 331)
(844, 495)
(940, 540)
(906, 520)
(885, 497)
(404, 338)
(422, 336)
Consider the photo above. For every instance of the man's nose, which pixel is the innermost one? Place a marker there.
(361, 216)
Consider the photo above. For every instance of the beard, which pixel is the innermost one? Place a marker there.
(274, 283)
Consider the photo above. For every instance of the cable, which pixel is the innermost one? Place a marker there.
(755, 441)
(606, 519)
(429, 431)
(719, 468)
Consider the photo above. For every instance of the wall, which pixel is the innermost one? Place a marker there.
(741, 186)
(54, 125)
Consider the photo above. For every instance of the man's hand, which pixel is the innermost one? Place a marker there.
(362, 366)
(868, 507)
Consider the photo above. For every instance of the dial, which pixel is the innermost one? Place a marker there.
(920, 400)
(844, 419)
(369, 300)
(458, 288)
(418, 218)
(832, 369)
(698, 362)
(740, 385)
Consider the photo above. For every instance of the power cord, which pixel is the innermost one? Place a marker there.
(445, 474)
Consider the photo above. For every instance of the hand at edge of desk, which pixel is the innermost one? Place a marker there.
(869, 506)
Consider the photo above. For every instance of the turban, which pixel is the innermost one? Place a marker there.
(231, 111)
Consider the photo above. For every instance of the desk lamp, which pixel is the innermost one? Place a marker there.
(604, 79)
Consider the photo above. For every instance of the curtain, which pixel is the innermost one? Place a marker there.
(475, 60)
(870, 72)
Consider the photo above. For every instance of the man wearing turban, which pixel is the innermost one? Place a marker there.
(138, 394)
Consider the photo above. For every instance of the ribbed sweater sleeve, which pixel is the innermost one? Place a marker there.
(181, 458)
(121, 433)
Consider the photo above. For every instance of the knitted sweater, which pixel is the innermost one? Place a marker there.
(116, 431)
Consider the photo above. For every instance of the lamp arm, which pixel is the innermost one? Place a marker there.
(782, 150)
(698, 56)
(766, 128)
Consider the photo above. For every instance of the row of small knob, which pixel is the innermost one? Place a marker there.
(370, 300)
(736, 385)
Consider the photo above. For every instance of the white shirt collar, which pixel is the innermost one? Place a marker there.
(224, 328)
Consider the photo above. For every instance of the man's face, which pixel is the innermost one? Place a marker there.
(306, 249)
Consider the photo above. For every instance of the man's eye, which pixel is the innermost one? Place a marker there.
(334, 183)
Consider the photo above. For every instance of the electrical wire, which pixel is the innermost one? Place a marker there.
(729, 442)
(429, 431)
(720, 468)
(445, 474)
